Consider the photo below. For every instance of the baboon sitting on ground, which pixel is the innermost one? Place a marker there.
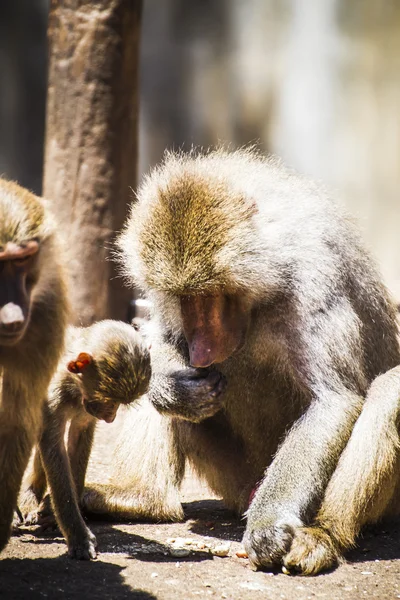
(272, 323)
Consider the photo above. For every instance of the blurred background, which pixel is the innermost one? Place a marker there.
(315, 81)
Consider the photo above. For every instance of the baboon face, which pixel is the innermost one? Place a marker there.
(118, 373)
(105, 410)
(214, 327)
(93, 386)
(18, 272)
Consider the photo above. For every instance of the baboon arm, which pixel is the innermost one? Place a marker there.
(80, 439)
(366, 476)
(15, 447)
(62, 486)
(364, 486)
(295, 481)
(323, 354)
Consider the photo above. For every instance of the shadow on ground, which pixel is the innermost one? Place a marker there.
(378, 542)
(61, 577)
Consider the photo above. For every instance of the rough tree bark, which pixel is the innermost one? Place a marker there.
(91, 142)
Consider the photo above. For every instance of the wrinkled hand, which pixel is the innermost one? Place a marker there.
(268, 544)
(198, 394)
(285, 542)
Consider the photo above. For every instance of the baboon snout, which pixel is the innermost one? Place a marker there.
(214, 326)
(12, 322)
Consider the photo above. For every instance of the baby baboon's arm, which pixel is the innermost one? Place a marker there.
(81, 542)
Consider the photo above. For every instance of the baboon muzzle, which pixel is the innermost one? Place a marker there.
(214, 327)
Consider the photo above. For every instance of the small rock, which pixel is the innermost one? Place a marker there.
(221, 550)
(179, 541)
(242, 554)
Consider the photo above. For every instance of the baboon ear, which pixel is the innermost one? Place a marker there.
(79, 364)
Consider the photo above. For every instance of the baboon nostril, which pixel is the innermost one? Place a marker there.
(11, 317)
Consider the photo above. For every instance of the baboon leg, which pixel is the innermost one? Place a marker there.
(219, 457)
(80, 439)
(15, 447)
(34, 489)
(363, 485)
(148, 468)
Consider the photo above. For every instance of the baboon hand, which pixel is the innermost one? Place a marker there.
(267, 545)
(84, 546)
(270, 532)
(305, 550)
(200, 393)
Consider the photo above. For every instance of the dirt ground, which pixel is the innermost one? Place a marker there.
(136, 560)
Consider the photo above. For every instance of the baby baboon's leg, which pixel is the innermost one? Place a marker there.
(362, 487)
(148, 467)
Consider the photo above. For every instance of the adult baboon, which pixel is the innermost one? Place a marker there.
(259, 281)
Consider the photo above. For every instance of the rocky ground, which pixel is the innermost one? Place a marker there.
(183, 561)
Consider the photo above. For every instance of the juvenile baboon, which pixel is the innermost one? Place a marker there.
(272, 324)
(103, 366)
(33, 314)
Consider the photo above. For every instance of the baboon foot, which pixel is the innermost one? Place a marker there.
(42, 515)
(312, 551)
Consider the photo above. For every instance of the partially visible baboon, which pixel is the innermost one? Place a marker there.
(33, 315)
(272, 324)
(103, 366)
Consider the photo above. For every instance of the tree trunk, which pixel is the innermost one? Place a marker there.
(91, 142)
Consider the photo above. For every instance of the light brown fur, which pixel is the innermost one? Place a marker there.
(365, 485)
(118, 372)
(27, 365)
(230, 243)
